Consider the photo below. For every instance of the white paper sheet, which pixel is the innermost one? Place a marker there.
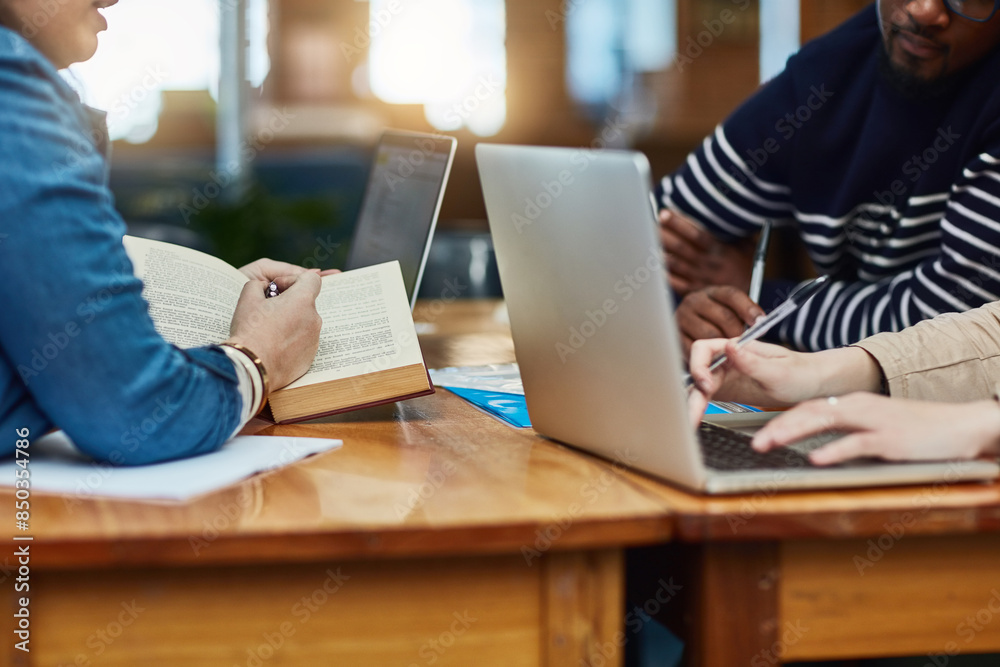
(502, 378)
(57, 466)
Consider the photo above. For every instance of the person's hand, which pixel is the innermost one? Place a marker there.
(283, 331)
(695, 259)
(269, 269)
(772, 376)
(715, 312)
(758, 374)
(888, 428)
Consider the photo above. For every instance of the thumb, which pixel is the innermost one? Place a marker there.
(307, 282)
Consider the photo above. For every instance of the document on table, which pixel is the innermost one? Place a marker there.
(497, 390)
(57, 466)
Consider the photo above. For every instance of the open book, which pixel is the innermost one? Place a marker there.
(368, 350)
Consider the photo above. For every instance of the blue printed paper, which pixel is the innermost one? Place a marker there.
(510, 408)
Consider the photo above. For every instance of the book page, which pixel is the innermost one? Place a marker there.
(367, 325)
(191, 295)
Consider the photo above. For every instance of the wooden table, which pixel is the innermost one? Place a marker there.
(771, 577)
(438, 535)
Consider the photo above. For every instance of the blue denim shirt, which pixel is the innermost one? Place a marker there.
(78, 350)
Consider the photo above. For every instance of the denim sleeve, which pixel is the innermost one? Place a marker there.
(79, 351)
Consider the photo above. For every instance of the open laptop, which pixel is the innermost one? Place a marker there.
(401, 204)
(594, 334)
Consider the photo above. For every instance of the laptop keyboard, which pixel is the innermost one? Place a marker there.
(726, 449)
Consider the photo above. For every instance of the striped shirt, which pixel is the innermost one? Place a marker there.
(899, 200)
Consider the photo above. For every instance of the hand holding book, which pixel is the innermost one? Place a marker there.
(368, 351)
(284, 332)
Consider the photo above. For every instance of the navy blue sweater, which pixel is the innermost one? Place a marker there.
(898, 199)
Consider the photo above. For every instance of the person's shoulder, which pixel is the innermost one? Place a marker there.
(17, 55)
(23, 69)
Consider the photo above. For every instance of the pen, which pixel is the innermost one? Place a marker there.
(271, 290)
(796, 299)
(759, 255)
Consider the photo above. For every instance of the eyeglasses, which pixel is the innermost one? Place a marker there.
(980, 11)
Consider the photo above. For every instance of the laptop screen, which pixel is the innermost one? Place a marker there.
(401, 204)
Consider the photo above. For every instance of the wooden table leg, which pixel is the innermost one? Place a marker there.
(734, 605)
(723, 601)
(582, 602)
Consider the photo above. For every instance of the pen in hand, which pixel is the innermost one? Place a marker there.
(764, 324)
(271, 290)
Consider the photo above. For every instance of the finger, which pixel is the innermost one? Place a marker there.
(697, 328)
(679, 266)
(306, 283)
(702, 354)
(688, 231)
(678, 247)
(843, 449)
(736, 302)
(254, 290)
(708, 317)
(697, 404)
(273, 269)
(803, 421)
(268, 269)
(329, 272)
(680, 285)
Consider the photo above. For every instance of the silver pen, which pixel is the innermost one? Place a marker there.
(795, 300)
(759, 256)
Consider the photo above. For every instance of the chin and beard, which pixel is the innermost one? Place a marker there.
(910, 85)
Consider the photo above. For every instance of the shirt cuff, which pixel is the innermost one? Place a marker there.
(886, 354)
(250, 386)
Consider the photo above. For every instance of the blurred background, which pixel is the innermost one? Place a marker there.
(246, 127)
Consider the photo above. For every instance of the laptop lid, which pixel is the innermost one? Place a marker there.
(401, 204)
(582, 272)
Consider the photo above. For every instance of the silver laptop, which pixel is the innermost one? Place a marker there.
(592, 320)
(401, 204)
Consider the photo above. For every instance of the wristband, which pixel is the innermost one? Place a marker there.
(259, 365)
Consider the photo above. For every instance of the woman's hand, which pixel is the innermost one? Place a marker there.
(889, 428)
(773, 376)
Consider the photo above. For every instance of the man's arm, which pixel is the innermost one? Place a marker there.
(724, 192)
(961, 271)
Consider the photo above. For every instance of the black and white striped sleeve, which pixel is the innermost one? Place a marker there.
(728, 190)
(939, 259)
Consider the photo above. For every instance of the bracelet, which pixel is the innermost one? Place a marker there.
(259, 365)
